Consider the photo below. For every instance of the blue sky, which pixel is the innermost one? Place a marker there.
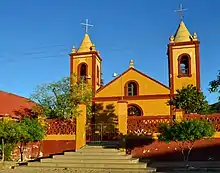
(36, 37)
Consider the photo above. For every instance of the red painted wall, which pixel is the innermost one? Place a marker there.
(160, 151)
(31, 151)
(44, 149)
(54, 147)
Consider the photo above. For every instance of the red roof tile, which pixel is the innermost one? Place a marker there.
(11, 104)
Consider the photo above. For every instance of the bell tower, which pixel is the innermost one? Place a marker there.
(183, 59)
(85, 62)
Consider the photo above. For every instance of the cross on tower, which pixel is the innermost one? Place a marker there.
(87, 25)
(180, 11)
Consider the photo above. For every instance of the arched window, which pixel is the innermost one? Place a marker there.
(98, 76)
(131, 88)
(82, 71)
(134, 110)
(184, 63)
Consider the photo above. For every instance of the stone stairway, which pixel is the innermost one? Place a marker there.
(94, 157)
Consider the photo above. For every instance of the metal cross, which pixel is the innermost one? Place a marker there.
(180, 11)
(87, 25)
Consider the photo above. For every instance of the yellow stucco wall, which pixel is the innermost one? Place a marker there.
(184, 81)
(88, 60)
(81, 127)
(60, 137)
(146, 85)
(152, 107)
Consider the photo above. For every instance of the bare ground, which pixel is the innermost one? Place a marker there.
(51, 170)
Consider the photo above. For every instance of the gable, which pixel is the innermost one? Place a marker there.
(147, 85)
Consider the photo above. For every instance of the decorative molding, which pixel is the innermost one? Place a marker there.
(139, 97)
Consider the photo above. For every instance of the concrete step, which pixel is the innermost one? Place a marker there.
(102, 146)
(87, 165)
(94, 161)
(96, 150)
(99, 157)
(96, 170)
(106, 144)
(93, 153)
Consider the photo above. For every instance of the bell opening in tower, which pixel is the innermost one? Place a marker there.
(83, 71)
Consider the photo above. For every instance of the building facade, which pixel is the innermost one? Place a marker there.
(145, 96)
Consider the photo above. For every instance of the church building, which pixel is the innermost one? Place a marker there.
(145, 96)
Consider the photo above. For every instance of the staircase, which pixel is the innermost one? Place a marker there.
(94, 157)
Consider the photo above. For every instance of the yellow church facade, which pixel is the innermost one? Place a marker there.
(145, 96)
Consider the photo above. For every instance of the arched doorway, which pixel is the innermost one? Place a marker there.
(134, 110)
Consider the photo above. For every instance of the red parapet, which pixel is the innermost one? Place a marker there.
(146, 124)
(61, 126)
(212, 118)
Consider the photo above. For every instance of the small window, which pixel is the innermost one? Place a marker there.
(83, 71)
(184, 66)
(132, 89)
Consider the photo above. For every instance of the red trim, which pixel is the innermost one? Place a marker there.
(170, 60)
(140, 97)
(127, 72)
(184, 43)
(154, 117)
(197, 66)
(126, 87)
(171, 79)
(86, 53)
(71, 65)
(122, 101)
(93, 73)
(98, 75)
(189, 74)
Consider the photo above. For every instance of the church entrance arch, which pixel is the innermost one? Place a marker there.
(134, 110)
(101, 132)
